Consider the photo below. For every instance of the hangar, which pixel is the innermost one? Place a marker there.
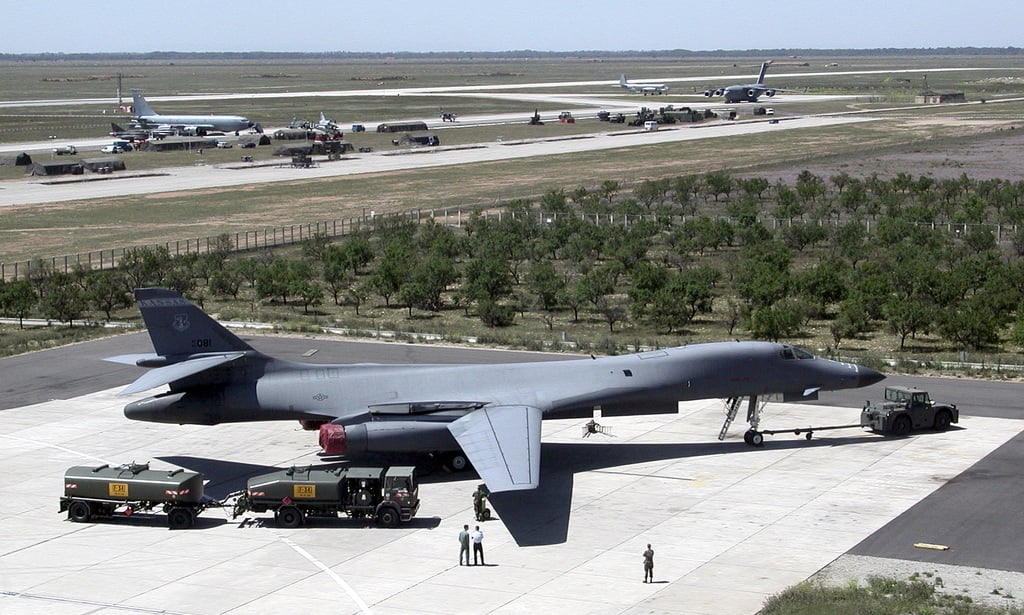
(55, 168)
(104, 164)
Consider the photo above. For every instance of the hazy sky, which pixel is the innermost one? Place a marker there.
(481, 25)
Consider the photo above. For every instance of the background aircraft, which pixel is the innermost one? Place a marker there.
(646, 88)
(489, 414)
(146, 117)
(746, 93)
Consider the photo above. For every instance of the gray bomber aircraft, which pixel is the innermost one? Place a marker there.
(489, 414)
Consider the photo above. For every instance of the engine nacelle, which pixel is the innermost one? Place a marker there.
(180, 408)
(752, 94)
(387, 437)
(769, 93)
(709, 93)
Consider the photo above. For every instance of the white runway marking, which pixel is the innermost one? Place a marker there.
(340, 581)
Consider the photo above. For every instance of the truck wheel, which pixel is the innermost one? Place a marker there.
(901, 425)
(180, 518)
(289, 516)
(387, 516)
(943, 419)
(80, 512)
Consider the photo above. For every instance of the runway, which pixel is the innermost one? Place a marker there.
(730, 524)
(49, 190)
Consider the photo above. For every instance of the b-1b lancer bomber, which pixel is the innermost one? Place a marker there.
(488, 415)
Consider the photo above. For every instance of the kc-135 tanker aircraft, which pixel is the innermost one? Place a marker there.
(488, 414)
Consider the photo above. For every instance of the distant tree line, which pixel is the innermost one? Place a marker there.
(905, 255)
(502, 55)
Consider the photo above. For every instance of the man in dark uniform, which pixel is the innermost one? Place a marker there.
(649, 565)
(478, 504)
(464, 544)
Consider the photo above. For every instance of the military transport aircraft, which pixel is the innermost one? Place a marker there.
(489, 414)
(146, 117)
(645, 88)
(746, 93)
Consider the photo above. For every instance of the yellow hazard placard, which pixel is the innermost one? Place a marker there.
(117, 490)
(303, 491)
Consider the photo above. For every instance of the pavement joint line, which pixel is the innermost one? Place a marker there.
(93, 603)
(59, 448)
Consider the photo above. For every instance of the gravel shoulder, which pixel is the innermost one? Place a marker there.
(997, 588)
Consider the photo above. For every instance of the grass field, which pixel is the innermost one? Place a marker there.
(29, 232)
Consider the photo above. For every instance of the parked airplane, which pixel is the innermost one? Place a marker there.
(487, 414)
(645, 88)
(325, 123)
(747, 93)
(146, 117)
(137, 134)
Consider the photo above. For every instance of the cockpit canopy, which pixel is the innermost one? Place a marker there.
(792, 352)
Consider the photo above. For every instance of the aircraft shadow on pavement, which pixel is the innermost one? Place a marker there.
(541, 516)
(225, 477)
(533, 517)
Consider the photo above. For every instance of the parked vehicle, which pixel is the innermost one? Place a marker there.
(387, 495)
(94, 492)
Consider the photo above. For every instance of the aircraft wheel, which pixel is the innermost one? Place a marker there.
(756, 438)
(943, 419)
(746, 437)
(809, 434)
(456, 462)
(80, 512)
(180, 518)
(901, 425)
(289, 516)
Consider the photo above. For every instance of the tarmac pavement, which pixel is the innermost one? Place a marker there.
(730, 525)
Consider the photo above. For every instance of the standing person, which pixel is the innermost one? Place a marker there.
(649, 565)
(478, 545)
(478, 504)
(464, 544)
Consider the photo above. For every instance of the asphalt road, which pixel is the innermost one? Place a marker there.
(977, 514)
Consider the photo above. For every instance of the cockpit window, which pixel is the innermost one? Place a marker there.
(789, 352)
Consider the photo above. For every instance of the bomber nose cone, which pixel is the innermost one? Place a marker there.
(867, 376)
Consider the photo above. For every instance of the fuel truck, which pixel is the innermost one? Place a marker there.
(386, 495)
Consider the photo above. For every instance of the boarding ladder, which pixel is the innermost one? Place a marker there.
(732, 405)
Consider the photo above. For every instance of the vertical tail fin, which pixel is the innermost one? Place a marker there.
(178, 328)
(141, 106)
(764, 69)
(622, 81)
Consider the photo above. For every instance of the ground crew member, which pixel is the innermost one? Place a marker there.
(478, 504)
(649, 564)
(464, 544)
(478, 545)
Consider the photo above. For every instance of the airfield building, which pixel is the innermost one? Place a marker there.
(936, 98)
